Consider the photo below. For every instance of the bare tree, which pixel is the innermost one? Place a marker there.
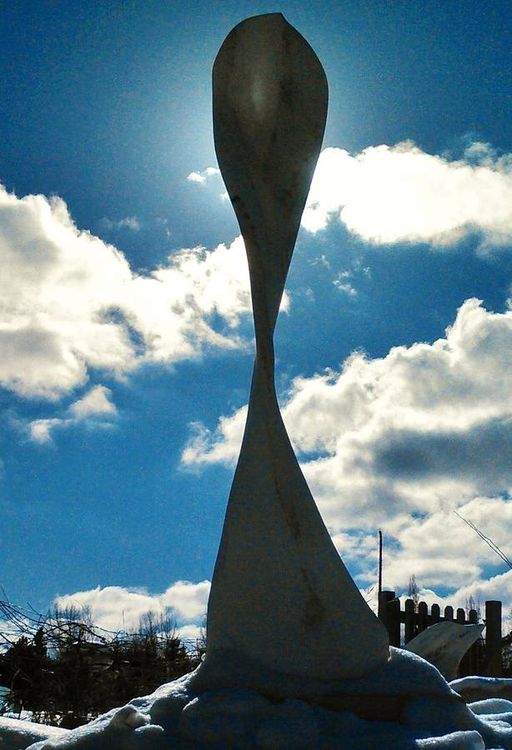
(413, 591)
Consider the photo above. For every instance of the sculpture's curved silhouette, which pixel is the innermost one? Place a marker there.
(444, 644)
(281, 596)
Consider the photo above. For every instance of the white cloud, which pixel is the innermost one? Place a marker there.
(498, 587)
(342, 283)
(117, 608)
(390, 194)
(477, 592)
(223, 446)
(187, 600)
(96, 402)
(94, 408)
(40, 429)
(191, 632)
(441, 550)
(130, 222)
(69, 302)
(397, 443)
(201, 177)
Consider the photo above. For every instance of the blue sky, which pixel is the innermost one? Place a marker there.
(125, 328)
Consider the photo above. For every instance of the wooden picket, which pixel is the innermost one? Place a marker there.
(483, 658)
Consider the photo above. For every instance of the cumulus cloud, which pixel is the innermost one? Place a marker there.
(474, 595)
(497, 587)
(40, 429)
(342, 283)
(94, 408)
(191, 632)
(442, 551)
(118, 608)
(201, 177)
(396, 194)
(398, 443)
(70, 302)
(128, 222)
(95, 403)
(203, 447)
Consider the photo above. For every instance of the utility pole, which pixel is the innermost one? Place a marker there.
(380, 563)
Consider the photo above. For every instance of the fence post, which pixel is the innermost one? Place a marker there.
(394, 622)
(389, 614)
(409, 620)
(435, 613)
(493, 638)
(422, 617)
(384, 598)
(470, 663)
(475, 652)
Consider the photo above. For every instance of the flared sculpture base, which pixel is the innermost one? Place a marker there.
(281, 595)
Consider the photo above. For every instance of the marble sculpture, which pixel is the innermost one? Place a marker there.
(281, 597)
(444, 644)
(285, 618)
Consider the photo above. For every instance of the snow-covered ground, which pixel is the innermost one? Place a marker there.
(180, 716)
(16, 734)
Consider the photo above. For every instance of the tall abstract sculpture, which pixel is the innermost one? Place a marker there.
(281, 597)
(284, 616)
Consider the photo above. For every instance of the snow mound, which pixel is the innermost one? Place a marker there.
(491, 706)
(182, 716)
(16, 734)
(478, 688)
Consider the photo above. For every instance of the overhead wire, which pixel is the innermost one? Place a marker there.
(486, 539)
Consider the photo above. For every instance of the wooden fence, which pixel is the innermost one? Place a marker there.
(483, 658)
